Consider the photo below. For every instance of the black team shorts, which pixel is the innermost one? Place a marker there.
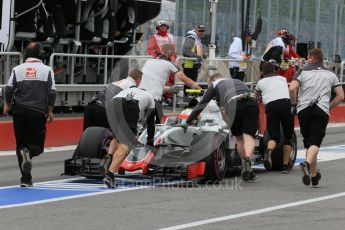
(313, 122)
(246, 118)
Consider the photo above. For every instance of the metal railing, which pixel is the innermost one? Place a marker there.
(251, 61)
(106, 57)
(20, 55)
(6, 67)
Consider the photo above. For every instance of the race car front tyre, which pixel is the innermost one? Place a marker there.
(94, 141)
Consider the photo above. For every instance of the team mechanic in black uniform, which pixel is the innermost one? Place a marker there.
(240, 111)
(275, 95)
(30, 94)
(315, 84)
(124, 112)
(95, 113)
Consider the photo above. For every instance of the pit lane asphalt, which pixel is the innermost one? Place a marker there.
(161, 207)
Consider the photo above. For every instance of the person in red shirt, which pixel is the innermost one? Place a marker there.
(154, 49)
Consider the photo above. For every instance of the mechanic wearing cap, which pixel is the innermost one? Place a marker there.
(237, 68)
(192, 48)
(275, 95)
(156, 73)
(30, 94)
(154, 49)
(239, 110)
(314, 84)
(128, 108)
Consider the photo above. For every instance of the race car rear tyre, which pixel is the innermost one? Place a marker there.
(277, 153)
(94, 141)
(216, 165)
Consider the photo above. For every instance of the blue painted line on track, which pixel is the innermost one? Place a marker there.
(12, 196)
(63, 189)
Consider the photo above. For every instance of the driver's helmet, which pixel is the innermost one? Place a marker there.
(183, 116)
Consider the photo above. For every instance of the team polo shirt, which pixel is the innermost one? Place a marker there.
(112, 89)
(33, 86)
(315, 82)
(273, 88)
(144, 99)
(222, 91)
(156, 73)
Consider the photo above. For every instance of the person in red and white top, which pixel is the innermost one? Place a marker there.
(154, 49)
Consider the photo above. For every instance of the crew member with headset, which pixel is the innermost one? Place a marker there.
(240, 111)
(30, 94)
(275, 95)
(314, 84)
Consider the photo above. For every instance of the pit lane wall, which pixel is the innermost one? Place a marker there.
(66, 131)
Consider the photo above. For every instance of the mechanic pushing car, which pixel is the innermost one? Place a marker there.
(124, 112)
(156, 73)
(95, 112)
(275, 95)
(240, 111)
(315, 84)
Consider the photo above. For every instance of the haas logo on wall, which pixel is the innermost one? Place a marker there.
(31, 72)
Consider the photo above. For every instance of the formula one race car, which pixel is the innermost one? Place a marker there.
(198, 152)
(205, 151)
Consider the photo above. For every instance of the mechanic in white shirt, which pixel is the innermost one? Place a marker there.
(237, 68)
(128, 108)
(275, 96)
(156, 73)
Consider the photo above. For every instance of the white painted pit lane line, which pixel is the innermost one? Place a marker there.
(254, 212)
